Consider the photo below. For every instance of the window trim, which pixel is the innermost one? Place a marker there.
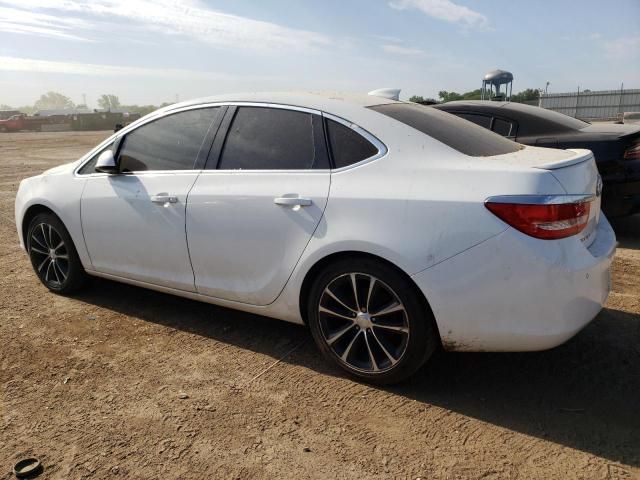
(382, 148)
(215, 147)
(118, 138)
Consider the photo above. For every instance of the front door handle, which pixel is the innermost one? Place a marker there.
(164, 198)
(292, 201)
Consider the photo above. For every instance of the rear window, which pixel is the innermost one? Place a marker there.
(455, 132)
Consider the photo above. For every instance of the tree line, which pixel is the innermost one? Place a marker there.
(109, 101)
(58, 101)
(528, 95)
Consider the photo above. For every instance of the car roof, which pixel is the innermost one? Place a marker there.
(533, 120)
(323, 101)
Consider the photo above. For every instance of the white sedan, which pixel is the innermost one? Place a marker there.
(387, 227)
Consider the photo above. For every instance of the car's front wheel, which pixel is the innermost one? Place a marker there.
(53, 255)
(367, 318)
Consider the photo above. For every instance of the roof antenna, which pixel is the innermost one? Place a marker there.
(390, 93)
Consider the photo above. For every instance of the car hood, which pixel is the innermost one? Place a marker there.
(613, 129)
(65, 168)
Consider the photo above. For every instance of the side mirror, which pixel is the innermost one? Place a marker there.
(106, 163)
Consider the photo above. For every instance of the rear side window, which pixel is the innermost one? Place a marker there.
(169, 143)
(482, 120)
(455, 132)
(502, 127)
(262, 138)
(347, 145)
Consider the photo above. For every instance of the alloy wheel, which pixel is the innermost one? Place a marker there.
(50, 254)
(364, 322)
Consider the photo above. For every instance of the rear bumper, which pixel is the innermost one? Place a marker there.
(517, 293)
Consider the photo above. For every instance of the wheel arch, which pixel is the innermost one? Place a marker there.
(30, 214)
(317, 267)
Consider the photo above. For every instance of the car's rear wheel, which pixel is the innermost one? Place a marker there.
(53, 255)
(369, 319)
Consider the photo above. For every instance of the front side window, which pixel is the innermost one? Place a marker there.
(169, 143)
(451, 130)
(347, 145)
(262, 138)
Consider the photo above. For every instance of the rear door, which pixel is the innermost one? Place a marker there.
(252, 212)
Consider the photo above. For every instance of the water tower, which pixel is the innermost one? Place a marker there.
(492, 82)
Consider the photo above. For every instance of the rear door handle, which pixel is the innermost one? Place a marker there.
(292, 201)
(164, 198)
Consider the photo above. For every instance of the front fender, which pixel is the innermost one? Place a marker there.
(59, 193)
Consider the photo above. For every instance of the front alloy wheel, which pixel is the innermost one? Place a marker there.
(53, 255)
(50, 253)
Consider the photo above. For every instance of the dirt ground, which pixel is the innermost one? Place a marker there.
(120, 382)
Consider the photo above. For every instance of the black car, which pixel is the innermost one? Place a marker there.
(616, 147)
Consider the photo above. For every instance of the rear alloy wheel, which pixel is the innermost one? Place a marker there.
(368, 319)
(53, 255)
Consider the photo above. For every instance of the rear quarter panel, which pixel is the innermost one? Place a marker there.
(417, 206)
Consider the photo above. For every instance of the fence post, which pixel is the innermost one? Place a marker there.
(620, 112)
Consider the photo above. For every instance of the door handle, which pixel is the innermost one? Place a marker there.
(293, 201)
(164, 199)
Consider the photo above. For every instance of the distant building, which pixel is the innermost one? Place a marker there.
(5, 114)
(61, 111)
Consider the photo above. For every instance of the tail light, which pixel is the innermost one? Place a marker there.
(633, 152)
(545, 217)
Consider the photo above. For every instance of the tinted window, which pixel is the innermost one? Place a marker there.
(459, 134)
(169, 143)
(348, 146)
(481, 120)
(269, 138)
(90, 166)
(502, 127)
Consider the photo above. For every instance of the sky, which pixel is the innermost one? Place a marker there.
(154, 51)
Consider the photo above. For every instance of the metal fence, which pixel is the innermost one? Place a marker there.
(596, 105)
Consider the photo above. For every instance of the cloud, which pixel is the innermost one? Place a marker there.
(622, 48)
(190, 19)
(444, 10)
(20, 21)
(400, 50)
(19, 64)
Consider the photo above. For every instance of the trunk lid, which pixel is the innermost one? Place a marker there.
(578, 174)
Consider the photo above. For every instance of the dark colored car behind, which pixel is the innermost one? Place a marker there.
(616, 147)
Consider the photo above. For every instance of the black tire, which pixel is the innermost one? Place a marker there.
(372, 354)
(53, 255)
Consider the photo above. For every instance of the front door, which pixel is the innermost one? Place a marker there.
(134, 222)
